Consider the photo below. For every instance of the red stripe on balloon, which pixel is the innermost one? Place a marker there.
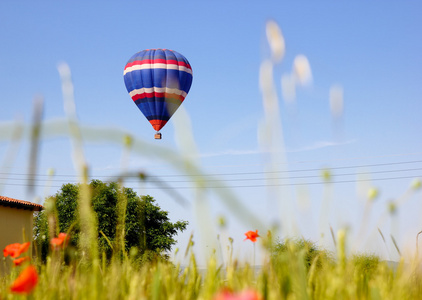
(158, 95)
(158, 61)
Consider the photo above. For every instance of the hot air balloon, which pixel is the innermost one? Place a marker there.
(158, 81)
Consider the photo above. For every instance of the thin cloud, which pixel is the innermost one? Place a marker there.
(322, 144)
(231, 152)
(315, 146)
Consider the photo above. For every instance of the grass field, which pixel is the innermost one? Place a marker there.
(294, 269)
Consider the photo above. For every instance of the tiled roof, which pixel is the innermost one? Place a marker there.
(6, 201)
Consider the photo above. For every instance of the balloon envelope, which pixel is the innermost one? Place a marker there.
(158, 81)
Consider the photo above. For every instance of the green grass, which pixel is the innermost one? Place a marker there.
(295, 272)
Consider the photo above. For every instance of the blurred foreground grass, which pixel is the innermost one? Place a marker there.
(291, 269)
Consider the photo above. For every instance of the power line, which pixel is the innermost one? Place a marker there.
(223, 174)
(325, 160)
(295, 184)
(246, 186)
(238, 179)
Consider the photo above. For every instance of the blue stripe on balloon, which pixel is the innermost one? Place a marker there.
(158, 109)
(149, 78)
(159, 99)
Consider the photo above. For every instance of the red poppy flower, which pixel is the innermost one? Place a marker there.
(244, 295)
(20, 261)
(14, 250)
(251, 235)
(60, 241)
(26, 281)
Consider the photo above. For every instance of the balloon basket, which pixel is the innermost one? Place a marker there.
(157, 136)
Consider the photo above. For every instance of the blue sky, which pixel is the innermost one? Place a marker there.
(371, 50)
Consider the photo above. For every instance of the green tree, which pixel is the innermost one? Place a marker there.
(147, 226)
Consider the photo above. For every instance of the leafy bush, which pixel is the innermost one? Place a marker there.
(306, 248)
(365, 268)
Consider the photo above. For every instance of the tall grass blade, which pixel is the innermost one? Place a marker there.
(88, 238)
(35, 144)
(395, 245)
